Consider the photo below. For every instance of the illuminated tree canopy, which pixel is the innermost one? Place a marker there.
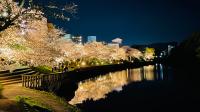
(149, 53)
(19, 11)
(27, 37)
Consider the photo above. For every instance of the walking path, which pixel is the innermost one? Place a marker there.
(11, 91)
(12, 87)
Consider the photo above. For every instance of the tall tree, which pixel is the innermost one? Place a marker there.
(149, 53)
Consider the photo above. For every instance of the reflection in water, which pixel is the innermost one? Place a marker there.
(136, 74)
(161, 71)
(149, 72)
(97, 88)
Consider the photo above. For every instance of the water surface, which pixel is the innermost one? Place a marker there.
(98, 87)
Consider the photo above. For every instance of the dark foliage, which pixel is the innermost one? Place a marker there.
(187, 53)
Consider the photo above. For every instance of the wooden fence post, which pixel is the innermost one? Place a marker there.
(40, 81)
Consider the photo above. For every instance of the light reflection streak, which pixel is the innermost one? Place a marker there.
(161, 71)
(97, 88)
(149, 72)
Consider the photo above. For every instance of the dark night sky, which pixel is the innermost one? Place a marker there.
(136, 21)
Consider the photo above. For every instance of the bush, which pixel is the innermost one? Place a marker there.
(43, 69)
(97, 62)
(18, 47)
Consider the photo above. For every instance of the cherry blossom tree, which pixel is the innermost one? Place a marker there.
(133, 53)
(17, 13)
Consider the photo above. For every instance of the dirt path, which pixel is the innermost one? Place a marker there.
(8, 106)
(11, 91)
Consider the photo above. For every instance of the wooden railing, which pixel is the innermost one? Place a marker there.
(41, 81)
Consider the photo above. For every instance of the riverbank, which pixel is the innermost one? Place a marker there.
(152, 95)
(107, 68)
(10, 92)
(69, 84)
(88, 72)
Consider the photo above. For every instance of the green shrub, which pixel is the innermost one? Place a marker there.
(42, 69)
(97, 62)
(18, 47)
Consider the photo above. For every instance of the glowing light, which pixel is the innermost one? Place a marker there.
(102, 63)
(97, 63)
(5, 14)
(59, 59)
(83, 63)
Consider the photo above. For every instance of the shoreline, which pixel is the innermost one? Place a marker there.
(74, 76)
(71, 78)
(89, 72)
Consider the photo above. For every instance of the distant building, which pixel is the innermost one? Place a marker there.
(117, 40)
(91, 39)
(113, 45)
(77, 39)
(68, 37)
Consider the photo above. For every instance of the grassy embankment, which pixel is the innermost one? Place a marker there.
(32, 100)
(35, 105)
